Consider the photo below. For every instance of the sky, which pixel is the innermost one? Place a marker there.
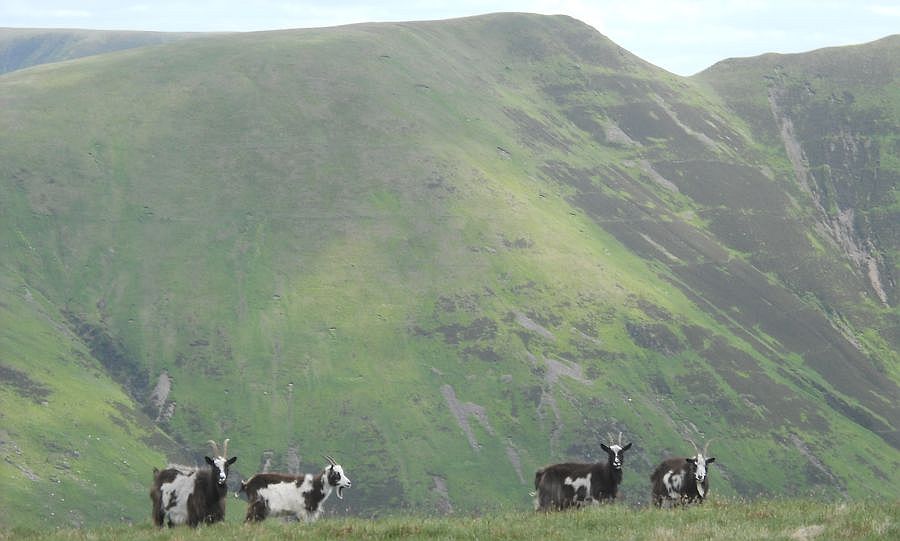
(681, 36)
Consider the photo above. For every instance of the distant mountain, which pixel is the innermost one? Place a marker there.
(447, 253)
(25, 47)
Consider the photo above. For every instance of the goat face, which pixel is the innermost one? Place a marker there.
(337, 479)
(699, 464)
(219, 466)
(616, 454)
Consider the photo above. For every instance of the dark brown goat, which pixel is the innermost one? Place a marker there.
(682, 480)
(191, 496)
(561, 486)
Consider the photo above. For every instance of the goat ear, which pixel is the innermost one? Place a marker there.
(710, 460)
(232, 460)
(627, 447)
(209, 461)
(605, 447)
(692, 460)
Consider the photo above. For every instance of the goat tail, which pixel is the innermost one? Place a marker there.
(537, 478)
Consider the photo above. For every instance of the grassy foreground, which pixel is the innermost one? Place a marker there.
(776, 519)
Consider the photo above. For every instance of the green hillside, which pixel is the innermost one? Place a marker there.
(833, 114)
(446, 253)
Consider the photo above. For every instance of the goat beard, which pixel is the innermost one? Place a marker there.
(340, 493)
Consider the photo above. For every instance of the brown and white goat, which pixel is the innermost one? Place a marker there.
(682, 480)
(192, 496)
(301, 496)
(561, 486)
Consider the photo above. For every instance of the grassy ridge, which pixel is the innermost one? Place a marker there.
(434, 250)
(24, 47)
(733, 521)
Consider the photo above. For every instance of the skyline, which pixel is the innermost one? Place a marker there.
(681, 36)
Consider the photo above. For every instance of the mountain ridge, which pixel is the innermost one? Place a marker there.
(438, 249)
(25, 47)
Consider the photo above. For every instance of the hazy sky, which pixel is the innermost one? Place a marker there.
(682, 36)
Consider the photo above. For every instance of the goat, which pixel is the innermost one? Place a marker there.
(192, 496)
(561, 486)
(682, 480)
(302, 496)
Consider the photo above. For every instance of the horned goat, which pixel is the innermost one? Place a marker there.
(192, 496)
(682, 480)
(302, 496)
(561, 486)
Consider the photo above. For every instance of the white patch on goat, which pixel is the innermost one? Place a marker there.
(700, 474)
(617, 455)
(283, 499)
(672, 481)
(220, 462)
(343, 481)
(181, 489)
(579, 482)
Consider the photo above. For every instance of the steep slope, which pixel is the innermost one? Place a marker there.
(24, 47)
(69, 436)
(832, 117)
(446, 253)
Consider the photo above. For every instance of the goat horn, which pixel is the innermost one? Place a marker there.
(215, 447)
(330, 459)
(696, 449)
(225, 447)
(620, 438)
(705, 447)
